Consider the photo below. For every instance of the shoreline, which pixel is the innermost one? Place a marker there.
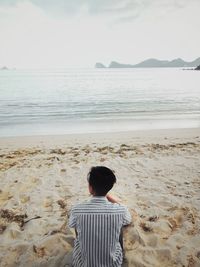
(105, 125)
(158, 135)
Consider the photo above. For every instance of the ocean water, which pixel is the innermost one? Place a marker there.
(36, 102)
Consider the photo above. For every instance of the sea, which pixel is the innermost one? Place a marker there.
(69, 101)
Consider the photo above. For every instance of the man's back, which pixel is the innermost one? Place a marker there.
(98, 223)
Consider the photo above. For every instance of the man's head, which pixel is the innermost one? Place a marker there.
(101, 179)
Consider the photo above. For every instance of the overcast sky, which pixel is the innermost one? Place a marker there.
(79, 33)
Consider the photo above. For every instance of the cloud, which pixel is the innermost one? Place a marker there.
(60, 7)
(8, 2)
(53, 7)
(111, 13)
(99, 6)
(125, 10)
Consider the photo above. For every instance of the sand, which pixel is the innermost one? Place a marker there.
(158, 179)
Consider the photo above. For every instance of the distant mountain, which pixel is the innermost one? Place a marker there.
(198, 68)
(4, 68)
(155, 63)
(99, 66)
(115, 64)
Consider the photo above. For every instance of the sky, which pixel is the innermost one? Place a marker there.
(79, 33)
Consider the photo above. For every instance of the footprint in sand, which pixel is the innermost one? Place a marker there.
(134, 239)
(24, 198)
(139, 164)
(48, 203)
(12, 231)
(4, 197)
(34, 180)
(152, 240)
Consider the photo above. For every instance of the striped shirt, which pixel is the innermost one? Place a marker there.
(98, 223)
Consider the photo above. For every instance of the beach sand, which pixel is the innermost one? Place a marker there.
(158, 178)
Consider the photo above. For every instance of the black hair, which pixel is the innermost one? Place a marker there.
(101, 179)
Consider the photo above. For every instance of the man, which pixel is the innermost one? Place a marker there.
(98, 223)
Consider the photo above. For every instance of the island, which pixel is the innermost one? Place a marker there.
(99, 65)
(4, 68)
(197, 68)
(154, 63)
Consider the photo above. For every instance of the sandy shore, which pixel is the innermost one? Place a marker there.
(158, 179)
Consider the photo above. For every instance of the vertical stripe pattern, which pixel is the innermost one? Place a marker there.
(98, 223)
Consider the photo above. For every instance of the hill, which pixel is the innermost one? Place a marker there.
(154, 63)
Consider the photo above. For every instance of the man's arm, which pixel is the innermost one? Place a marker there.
(113, 199)
(127, 217)
(72, 219)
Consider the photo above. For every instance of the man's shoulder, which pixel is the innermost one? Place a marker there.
(120, 207)
(78, 207)
(108, 207)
